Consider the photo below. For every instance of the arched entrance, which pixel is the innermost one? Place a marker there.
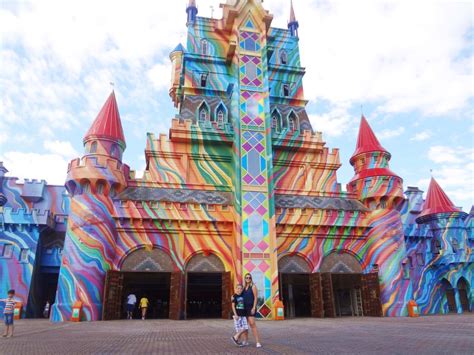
(208, 288)
(144, 273)
(295, 291)
(450, 296)
(346, 290)
(463, 289)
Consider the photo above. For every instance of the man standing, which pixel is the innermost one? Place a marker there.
(131, 301)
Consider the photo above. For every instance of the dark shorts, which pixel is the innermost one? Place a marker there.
(248, 311)
(8, 318)
(130, 307)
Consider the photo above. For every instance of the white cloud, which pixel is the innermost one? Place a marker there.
(390, 133)
(421, 136)
(453, 168)
(160, 75)
(403, 55)
(334, 123)
(65, 149)
(445, 154)
(50, 167)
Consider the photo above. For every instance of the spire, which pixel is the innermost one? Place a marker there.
(366, 141)
(437, 201)
(292, 23)
(108, 123)
(192, 11)
(292, 13)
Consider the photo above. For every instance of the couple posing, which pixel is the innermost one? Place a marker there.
(244, 307)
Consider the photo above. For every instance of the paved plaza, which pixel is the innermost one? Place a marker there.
(427, 335)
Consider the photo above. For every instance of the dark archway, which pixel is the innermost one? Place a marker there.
(295, 274)
(207, 287)
(463, 289)
(347, 291)
(450, 296)
(144, 273)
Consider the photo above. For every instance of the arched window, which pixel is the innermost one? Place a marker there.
(114, 150)
(203, 113)
(283, 57)
(204, 79)
(204, 46)
(292, 122)
(454, 245)
(285, 90)
(284, 124)
(276, 121)
(435, 246)
(100, 187)
(93, 147)
(86, 187)
(221, 115)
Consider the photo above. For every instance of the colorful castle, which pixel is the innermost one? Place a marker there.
(241, 184)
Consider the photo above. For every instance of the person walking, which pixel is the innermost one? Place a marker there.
(131, 302)
(250, 294)
(144, 306)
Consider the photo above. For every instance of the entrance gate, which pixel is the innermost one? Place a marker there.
(346, 291)
(463, 289)
(208, 288)
(295, 286)
(143, 273)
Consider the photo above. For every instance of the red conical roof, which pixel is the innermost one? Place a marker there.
(437, 201)
(366, 141)
(108, 123)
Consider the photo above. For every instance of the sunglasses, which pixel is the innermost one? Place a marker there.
(248, 278)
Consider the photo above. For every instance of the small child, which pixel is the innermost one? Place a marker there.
(8, 313)
(240, 319)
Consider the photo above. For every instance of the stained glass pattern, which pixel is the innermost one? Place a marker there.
(249, 41)
(250, 71)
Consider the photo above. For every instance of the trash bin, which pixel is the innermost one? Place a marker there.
(413, 310)
(279, 310)
(76, 311)
(17, 311)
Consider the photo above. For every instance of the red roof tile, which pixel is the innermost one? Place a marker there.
(437, 201)
(108, 123)
(366, 141)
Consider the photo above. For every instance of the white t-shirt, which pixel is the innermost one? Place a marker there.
(131, 299)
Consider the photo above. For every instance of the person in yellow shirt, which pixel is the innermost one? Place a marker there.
(144, 306)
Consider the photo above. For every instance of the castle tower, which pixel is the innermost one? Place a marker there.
(89, 249)
(446, 223)
(292, 23)
(3, 198)
(373, 183)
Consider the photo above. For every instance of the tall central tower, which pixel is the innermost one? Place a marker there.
(255, 151)
(240, 83)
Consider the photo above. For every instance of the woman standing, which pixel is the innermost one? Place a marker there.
(250, 294)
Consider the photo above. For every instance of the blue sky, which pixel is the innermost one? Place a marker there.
(408, 63)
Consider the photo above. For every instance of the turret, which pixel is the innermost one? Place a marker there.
(446, 223)
(373, 183)
(90, 242)
(192, 11)
(292, 23)
(3, 198)
(176, 57)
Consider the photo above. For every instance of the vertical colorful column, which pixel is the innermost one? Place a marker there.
(258, 224)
